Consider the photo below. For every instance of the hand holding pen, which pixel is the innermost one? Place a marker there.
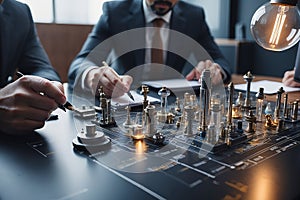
(118, 77)
(113, 84)
(66, 105)
(23, 108)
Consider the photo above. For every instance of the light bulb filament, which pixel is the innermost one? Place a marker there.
(278, 25)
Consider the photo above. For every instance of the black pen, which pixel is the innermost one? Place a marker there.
(128, 93)
(67, 105)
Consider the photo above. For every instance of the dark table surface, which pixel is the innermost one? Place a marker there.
(44, 165)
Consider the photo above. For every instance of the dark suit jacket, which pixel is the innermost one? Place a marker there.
(20, 46)
(127, 15)
(297, 66)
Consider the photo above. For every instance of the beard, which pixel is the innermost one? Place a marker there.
(161, 7)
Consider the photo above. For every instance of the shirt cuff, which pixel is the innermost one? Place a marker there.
(83, 77)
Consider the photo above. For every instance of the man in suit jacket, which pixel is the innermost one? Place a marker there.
(185, 22)
(22, 108)
(291, 78)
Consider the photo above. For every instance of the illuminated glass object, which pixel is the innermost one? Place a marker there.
(259, 104)
(276, 25)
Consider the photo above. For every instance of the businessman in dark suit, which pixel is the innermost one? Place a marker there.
(176, 16)
(22, 107)
(292, 77)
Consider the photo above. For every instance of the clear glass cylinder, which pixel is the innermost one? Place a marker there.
(259, 109)
(215, 119)
(164, 93)
(138, 132)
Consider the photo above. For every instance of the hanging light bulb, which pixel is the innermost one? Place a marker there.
(276, 25)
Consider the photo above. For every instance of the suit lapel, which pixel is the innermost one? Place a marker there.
(1, 46)
(136, 15)
(177, 23)
(137, 20)
(5, 37)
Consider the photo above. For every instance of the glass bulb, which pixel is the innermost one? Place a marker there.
(275, 26)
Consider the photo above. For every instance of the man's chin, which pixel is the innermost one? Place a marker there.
(161, 8)
(161, 12)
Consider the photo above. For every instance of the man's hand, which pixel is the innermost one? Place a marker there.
(288, 79)
(215, 71)
(26, 103)
(113, 84)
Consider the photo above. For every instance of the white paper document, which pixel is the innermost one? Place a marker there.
(270, 87)
(172, 84)
(125, 100)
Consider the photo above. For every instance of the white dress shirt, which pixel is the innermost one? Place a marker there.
(164, 32)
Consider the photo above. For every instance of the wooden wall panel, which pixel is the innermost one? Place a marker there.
(62, 42)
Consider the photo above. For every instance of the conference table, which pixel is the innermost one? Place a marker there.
(44, 165)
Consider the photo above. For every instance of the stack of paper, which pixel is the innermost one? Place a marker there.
(173, 84)
(270, 87)
(125, 100)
